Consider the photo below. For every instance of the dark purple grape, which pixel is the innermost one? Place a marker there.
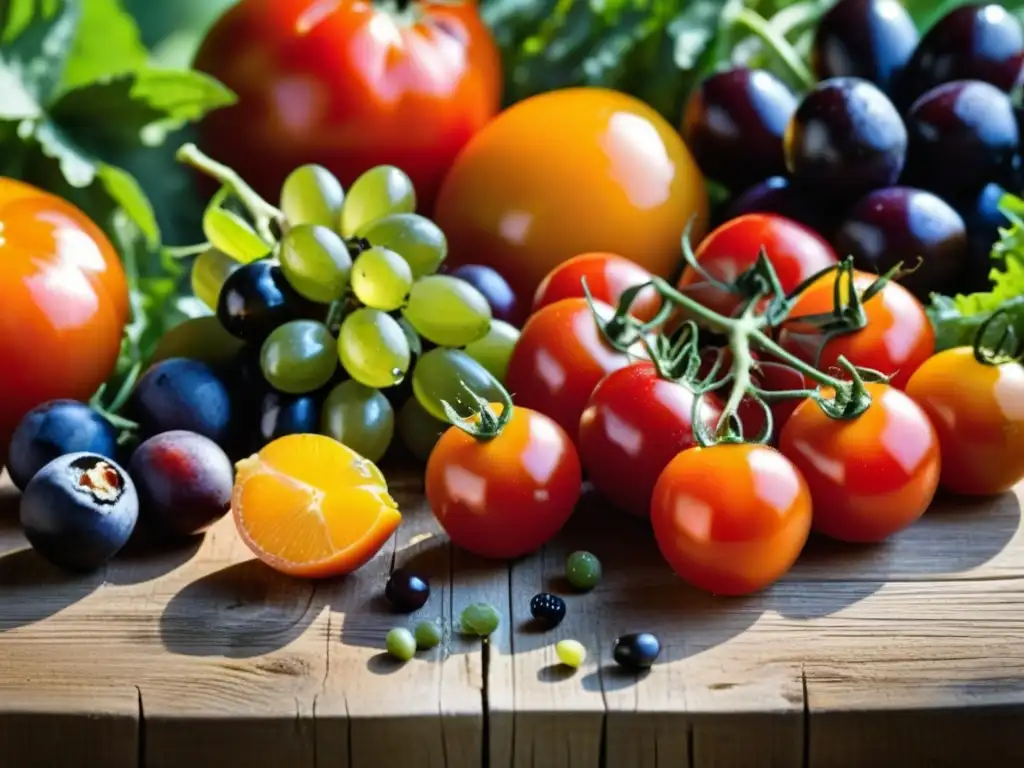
(504, 304)
(972, 42)
(256, 298)
(281, 415)
(182, 394)
(962, 136)
(54, 429)
(900, 224)
(779, 196)
(733, 124)
(870, 39)
(845, 139)
(184, 482)
(406, 591)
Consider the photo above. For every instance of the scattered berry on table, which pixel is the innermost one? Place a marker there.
(480, 619)
(571, 653)
(583, 570)
(401, 644)
(548, 609)
(406, 591)
(79, 510)
(428, 635)
(636, 652)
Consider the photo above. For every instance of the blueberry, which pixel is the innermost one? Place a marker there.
(182, 394)
(184, 482)
(636, 652)
(79, 510)
(547, 609)
(406, 591)
(494, 287)
(54, 429)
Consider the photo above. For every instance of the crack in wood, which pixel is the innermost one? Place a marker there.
(806, 754)
(141, 730)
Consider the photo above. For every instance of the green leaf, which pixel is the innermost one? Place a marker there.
(230, 233)
(126, 192)
(77, 167)
(37, 39)
(107, 43)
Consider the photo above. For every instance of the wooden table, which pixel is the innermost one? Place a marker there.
(905, 654)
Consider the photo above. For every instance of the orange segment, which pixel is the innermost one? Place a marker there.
(309, 506)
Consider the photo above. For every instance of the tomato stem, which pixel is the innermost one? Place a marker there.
(264, 215)
(482, 423)
(779, 45)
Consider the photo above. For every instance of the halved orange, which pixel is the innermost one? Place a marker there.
(309, 506)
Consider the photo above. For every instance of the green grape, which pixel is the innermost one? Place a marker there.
(416, 239)
(447, 311)
(312, 195)
(373, 348)
(418, 429)
(316, 262)
(428, 635)
(378, 192)
(480, 619)
(494, 350)
(360, 417)
(440, 375)
(415, 342)
(209, 271)
(381, 279)
(400, 643)
(230, 233)
(298, 357)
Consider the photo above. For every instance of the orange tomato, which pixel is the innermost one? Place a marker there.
(731, 519)
(64, 298)
(978, 413)
(569, 172)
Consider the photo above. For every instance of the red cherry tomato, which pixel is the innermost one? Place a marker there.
(508, 496)
(64, 299)
(795, 252)
(731, 519)
(560, 357)
(607, 276)
(897, 338)
(870, 476)
(634, 425)
(349, 85)
(978, 413)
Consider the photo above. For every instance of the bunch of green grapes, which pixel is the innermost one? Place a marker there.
(348, 308)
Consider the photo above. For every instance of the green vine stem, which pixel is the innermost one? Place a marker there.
(487, 425)
(264, 215)
(755, 23)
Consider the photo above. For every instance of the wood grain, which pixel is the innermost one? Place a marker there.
(904, 654)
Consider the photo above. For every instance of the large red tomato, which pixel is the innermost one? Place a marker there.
(349, 85)
(570, 172)
(64, 299)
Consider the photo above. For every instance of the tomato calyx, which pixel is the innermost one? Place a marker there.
(1006, 349)
(482, 423)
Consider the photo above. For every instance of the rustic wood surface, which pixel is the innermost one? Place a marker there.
(905, 654)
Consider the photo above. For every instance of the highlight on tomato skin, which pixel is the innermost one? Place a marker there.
(977, 410)
(870, 476)
(607, 277)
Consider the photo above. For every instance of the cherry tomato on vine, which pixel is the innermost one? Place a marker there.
(349, 85)
(732, 518)
(978, 413)
(64, 298)
(607, 276)
(897, 339)
(560, 357)
(633, 426)
(507, 496)
(795, 251)
(568, 172)
(869, 476)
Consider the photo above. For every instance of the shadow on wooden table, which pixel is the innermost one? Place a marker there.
(34, 590)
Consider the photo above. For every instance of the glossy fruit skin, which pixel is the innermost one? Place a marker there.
(547, 609)
(795, 252)
(65, 302)
(870, 476)
(715, 526)
(870, 39)
(845, 139)
(607, 276)
(637, 651)
(53, 429)
(504, 303)
(406, 591)
(279, 415)
(577, 154)
(655, 414)
(71, 525)
(560, 357)
(349, 86)
(255, 299)
(972, 42)
(489, 496)
(966, 119)
(899, 224)
(184, 482)
(583, 570)
(897, 339)
(778, 195)
(733, 123)
(977, 411)
(983, 218)
(182, 394)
